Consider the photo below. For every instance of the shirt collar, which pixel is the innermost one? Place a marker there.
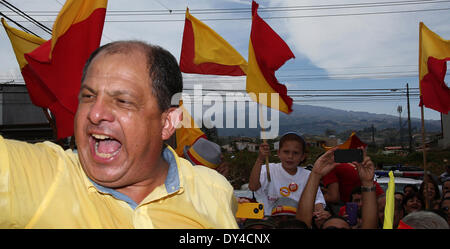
(172, 182)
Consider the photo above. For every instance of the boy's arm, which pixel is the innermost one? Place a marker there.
(254, 183)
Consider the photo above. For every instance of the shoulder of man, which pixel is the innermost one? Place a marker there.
(203, 175)
(45, 154)
(209, 192)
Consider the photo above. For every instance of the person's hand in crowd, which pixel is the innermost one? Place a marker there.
(223, 169)
(366, 169)
(264, 151)
(242, 200)
(325, 163)
(320, 217)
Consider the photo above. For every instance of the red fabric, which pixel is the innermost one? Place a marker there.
(342, 210)
(434, 92)
(355, 143)
(187, 64)
(403, 225)
(271, 52)
(55, 83)
(347, 177)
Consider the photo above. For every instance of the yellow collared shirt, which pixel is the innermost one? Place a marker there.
(43, 186)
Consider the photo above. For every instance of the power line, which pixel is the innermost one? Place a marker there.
(24, 15)
(22, 27)
(274, 17)
(247, 10)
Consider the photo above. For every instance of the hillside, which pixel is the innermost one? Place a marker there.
(315, 120)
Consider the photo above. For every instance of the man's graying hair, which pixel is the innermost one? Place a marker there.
(161, 64)
(425, 220)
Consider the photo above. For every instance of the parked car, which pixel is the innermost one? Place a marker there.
(400, 167)
(400, 182)
(401, 171)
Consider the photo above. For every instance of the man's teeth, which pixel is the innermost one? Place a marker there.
(97, 136)
(103, 155)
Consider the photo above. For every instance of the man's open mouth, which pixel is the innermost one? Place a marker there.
(105, 146)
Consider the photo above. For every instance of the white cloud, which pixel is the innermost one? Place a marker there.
(333, 43)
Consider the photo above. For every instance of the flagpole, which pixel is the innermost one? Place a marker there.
(261, 122)
(424, 157)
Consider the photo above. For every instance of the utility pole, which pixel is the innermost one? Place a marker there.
(399, 110)
(409, 119)
(373, 135)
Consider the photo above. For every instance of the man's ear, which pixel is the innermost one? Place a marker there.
(171, 118)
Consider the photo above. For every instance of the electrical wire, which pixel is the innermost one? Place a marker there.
(270, 17)
(169, 11)
(24, 15)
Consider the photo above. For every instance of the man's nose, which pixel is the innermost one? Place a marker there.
(101, 111)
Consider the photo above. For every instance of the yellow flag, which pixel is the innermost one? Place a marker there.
(390, 203)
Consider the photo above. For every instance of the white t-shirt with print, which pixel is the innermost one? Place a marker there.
(280, 186)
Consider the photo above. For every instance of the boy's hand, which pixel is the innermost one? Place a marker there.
(264, 151)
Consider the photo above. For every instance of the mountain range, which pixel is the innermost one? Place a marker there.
(315, 120)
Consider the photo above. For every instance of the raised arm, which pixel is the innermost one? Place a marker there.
(254, 183)
(322, 166)
(366, 171)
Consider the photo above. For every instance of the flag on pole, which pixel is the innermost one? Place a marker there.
(390, 203)
(267, 52)
(22, 43)
(434, 52)
(353, 142)
(188, 133)
(203, 51)
(56, 66)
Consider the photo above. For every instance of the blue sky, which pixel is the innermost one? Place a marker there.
(338, 44)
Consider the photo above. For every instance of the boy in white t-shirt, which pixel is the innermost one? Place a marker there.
(287, 179)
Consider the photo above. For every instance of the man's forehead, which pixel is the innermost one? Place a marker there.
(118, 67)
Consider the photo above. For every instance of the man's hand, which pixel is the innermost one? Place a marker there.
(223, 169)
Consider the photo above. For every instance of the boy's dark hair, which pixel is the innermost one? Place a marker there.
(292, 224)
(414, 187)
(333, 217)
(410, 196)
(293, 136)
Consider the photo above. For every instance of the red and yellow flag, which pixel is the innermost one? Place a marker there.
(23, 43)
(266, 53)
(56, 65)
(353, 142)
(203, 51)
(434, 52)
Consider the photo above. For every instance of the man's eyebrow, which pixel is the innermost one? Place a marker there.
(120, 92)
(87, 88)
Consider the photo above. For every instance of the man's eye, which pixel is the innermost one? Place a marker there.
(87, 96)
